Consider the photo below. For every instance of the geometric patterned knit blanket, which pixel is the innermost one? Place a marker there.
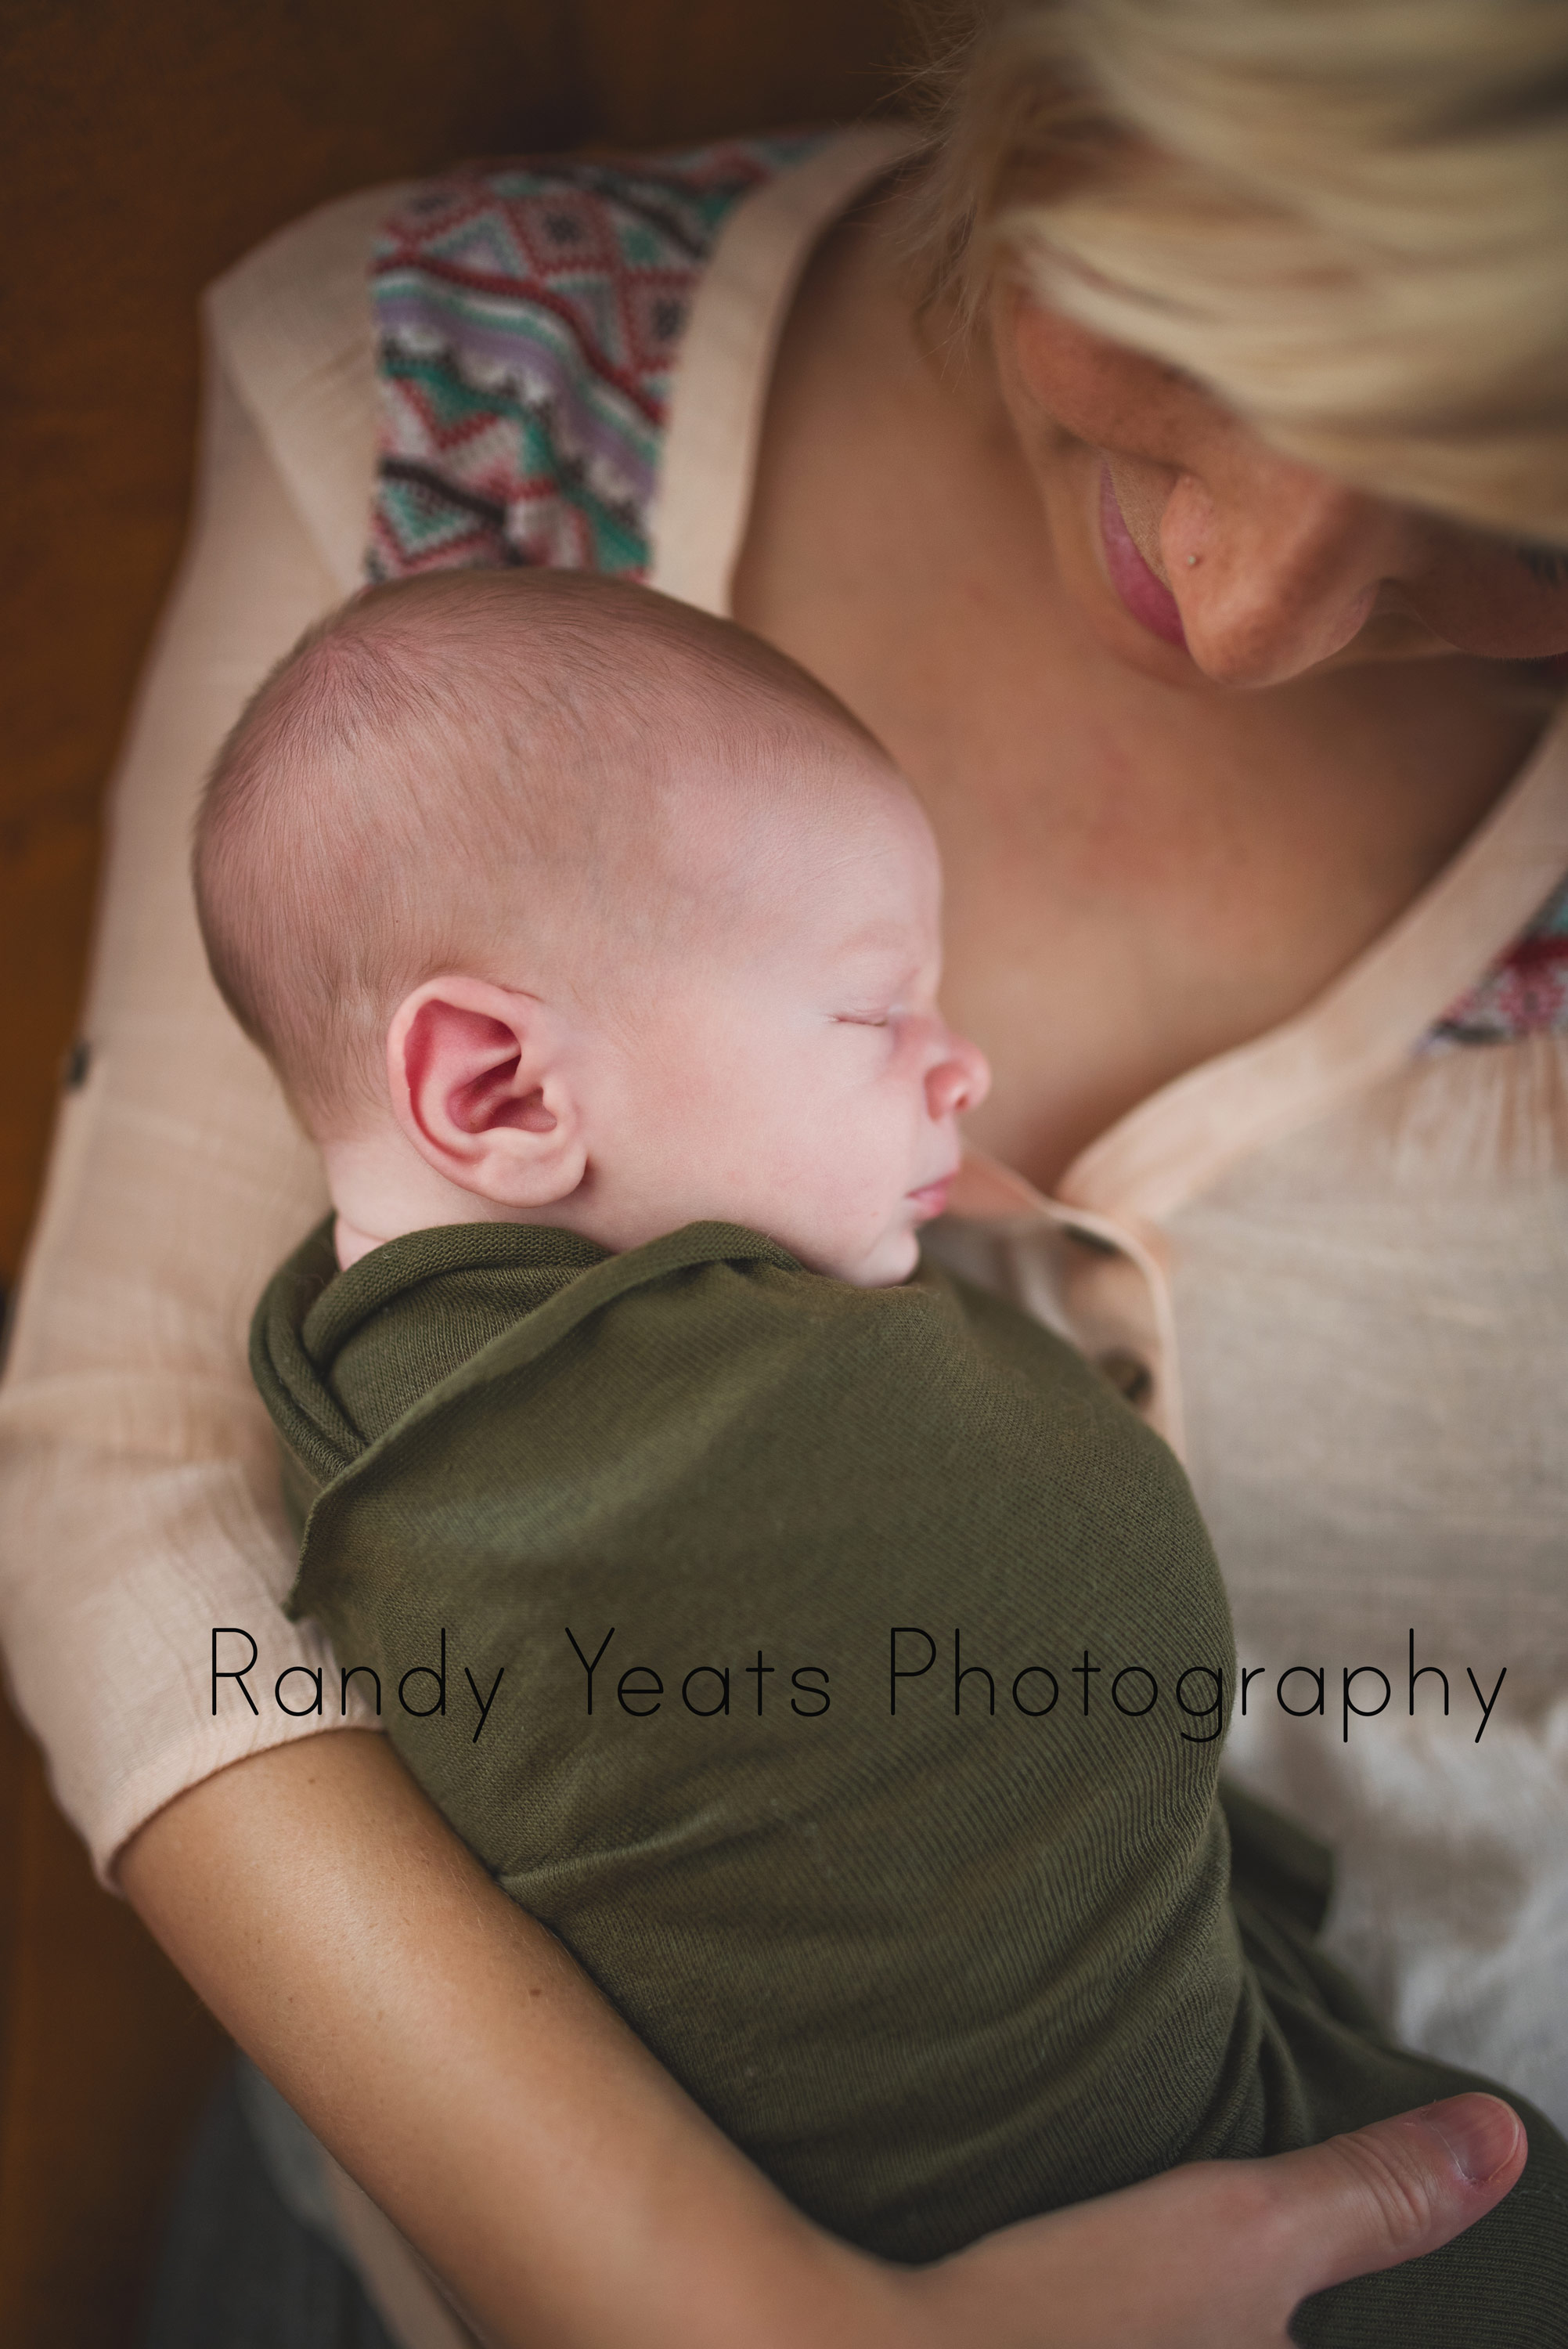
(529, 318)
(1525, 993)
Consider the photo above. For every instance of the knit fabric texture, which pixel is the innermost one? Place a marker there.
(528, 317)
(938, 1952)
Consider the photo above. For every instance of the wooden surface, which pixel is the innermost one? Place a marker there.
(147, 144)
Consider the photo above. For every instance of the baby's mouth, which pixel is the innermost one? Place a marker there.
(930, 1199)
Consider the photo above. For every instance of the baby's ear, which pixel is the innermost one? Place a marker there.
(478, 1086)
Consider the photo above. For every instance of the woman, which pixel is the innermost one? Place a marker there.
(1068, 474)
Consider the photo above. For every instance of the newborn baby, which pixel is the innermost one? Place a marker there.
(846, 1661)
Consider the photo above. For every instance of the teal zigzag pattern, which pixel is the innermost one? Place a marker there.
(529, 318)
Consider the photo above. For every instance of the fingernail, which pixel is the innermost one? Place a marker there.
(1479, 2133)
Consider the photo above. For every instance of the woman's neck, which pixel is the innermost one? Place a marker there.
(1139, 876)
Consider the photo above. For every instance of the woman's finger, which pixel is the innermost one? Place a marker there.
(1225, 2251)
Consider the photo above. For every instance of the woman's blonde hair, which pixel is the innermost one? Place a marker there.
(1348, 218)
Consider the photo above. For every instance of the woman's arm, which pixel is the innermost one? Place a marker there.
(139, 1499)
(462, 2068)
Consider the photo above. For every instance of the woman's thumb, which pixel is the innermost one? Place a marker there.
(1224, 2250)
(1396, 2189)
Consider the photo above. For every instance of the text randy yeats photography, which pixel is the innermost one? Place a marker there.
(783, 1528)
(715, 1690)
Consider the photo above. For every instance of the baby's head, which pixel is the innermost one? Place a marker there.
(554, 901)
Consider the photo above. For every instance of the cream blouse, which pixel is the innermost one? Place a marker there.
(1331, 1266)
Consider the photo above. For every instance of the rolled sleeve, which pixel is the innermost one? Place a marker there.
(139, 1505)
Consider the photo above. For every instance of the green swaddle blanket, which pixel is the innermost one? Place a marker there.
(862, 1660)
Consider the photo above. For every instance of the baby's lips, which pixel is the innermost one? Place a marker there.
(930, 1199)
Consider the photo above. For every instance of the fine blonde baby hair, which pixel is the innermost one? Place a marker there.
(488, 773)
(1348, 218)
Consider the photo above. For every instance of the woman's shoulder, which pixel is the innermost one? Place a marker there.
(529, 316)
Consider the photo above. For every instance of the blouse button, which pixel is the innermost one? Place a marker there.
(1132, 1379)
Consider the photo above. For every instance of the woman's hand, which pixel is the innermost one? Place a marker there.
(1221, 2252)
(464, 2070)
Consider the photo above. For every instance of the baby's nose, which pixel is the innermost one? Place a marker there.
(961, 1079)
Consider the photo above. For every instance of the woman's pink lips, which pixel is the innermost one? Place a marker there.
(1150, 603)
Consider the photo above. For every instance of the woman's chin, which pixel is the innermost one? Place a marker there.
(1121, 634)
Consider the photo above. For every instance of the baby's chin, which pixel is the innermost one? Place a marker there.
(893, 1259)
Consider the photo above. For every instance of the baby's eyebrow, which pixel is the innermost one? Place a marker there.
(876, 980)
(888, 940)
(880, 971)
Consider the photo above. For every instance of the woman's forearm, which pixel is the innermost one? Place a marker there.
(463, 2069)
